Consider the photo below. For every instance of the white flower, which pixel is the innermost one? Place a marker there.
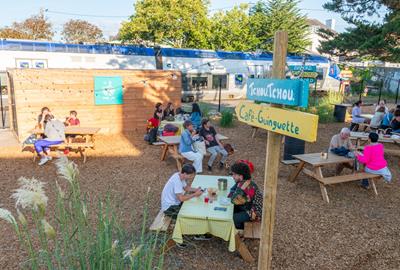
(48, 229)
(30, 195)
(7, 216)
(21, 217)
(131, 253)
(114, 246)
(60, 191)
(67, 169)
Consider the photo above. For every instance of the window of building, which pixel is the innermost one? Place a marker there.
(216, 81)
(199, 83)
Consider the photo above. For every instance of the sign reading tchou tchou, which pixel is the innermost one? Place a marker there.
(285, 92)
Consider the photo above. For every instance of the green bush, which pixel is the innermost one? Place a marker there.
(205, 109)
(324, 108)
(83, 235)
(226, 118)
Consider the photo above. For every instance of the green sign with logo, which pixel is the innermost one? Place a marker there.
(108, 90)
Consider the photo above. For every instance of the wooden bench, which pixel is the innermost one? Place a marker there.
(77, 147)
(161, 222)
(252, 230)
(290, 161)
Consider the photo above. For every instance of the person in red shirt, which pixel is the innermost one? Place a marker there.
(72, 120)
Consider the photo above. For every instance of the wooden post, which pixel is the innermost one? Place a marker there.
(272, 162)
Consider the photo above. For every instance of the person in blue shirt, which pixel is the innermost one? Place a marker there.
(186, 147)
(387, 119)
(195, 117)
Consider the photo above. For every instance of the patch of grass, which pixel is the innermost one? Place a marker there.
(82, 235)
(226, 118)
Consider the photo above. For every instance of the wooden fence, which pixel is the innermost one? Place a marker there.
(63, 90)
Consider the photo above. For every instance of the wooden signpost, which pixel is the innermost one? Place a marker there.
(277, 121)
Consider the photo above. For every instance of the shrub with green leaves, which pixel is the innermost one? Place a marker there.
(226, 118)
(82, 236)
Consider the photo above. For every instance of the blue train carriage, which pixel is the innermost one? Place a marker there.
(204, 71)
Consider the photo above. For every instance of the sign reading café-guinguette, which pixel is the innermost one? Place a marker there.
(286, 122)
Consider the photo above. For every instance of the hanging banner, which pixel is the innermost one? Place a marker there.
(285, 92)
(290, 123)
(108, 90)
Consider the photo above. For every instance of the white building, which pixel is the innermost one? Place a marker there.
(315, 25)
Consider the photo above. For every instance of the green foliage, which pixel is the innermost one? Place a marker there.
(231, 30)
(179, 23)
(269, 16)
(366, 39)
(324, 107)
(226, 118)
(83, 236)
(36, 27)
(205, 109)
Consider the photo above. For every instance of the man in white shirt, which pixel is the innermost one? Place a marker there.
(176, 191)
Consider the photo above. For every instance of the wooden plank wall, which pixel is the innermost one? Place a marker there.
(63, 90)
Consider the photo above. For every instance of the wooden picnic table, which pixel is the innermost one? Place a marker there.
(197, 217)
(88, 133)
(367, 116)
(176, 123)
(171, 144)
(362, 137)
(316, 162)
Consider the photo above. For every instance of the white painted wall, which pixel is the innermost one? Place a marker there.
(8, 59)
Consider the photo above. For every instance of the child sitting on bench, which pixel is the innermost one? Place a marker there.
(55, 134)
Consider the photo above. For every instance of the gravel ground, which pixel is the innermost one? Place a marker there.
(355, 231)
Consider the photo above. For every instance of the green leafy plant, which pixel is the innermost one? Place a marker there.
(205, 109)
(82, 236)
(226, 118)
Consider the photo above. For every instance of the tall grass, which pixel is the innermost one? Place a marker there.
(83, 235)
(324, 106)
(226, 118)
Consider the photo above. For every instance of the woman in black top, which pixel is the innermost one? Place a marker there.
(213, 145)
(168, 111)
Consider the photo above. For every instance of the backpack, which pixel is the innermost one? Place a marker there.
(257, 205)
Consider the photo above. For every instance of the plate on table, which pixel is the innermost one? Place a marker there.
(225, 201)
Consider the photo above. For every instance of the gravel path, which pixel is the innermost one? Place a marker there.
(355, 231)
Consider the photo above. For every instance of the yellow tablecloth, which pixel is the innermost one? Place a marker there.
(198, 217)
(179, 124)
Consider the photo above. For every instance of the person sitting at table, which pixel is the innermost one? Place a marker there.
(177, 190)
(72, 120)
(382, 104)
(341, 144)
(195, 116)
(245, 195)
(41, 120)
(387, 119)
(395, 124)
(158, 109)
(356, 116)
(377, 119)
(152, 127)
(168, 111)
(186, 146)
(213, 145)
(373, 159)
(55, 134)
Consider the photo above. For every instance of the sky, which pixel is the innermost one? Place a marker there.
(109, 14)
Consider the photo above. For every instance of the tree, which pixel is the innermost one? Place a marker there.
(231, 30)
(76, 31)
(366, 39)
(179, 23)
(269, 16)
(37, 27)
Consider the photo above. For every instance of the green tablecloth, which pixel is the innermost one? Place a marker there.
(198, 217)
